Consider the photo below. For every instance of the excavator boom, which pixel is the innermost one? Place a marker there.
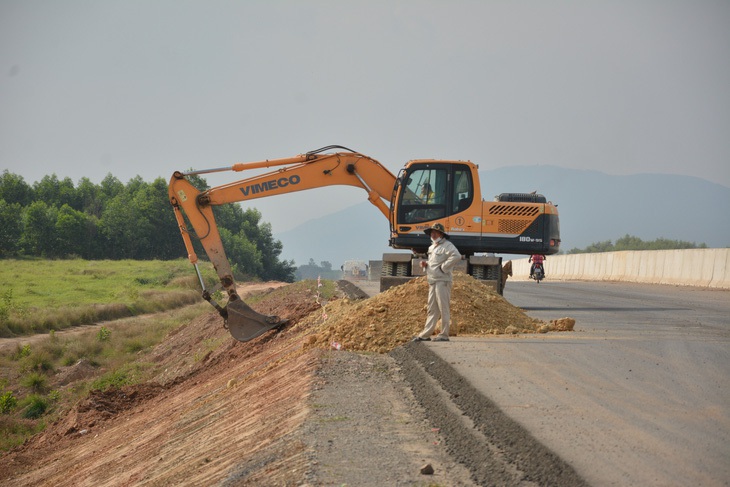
(302, 172)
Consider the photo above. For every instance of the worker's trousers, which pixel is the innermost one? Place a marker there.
(439, 299)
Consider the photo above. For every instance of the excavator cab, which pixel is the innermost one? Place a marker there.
(430, 191)
(514, 223)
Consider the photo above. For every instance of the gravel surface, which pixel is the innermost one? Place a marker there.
(368, 429)
(378, 419)
(496, 449)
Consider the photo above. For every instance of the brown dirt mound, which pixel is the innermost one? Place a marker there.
(83, 369)
(563, 324)
(395, 316)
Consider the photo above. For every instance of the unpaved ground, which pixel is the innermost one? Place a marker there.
(367, 428)
(276, 412)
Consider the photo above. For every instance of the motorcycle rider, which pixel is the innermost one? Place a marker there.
(536, 259)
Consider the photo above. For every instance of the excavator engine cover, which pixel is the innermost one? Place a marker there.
(246, 324)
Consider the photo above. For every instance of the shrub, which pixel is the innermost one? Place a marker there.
(6, 303)
(39, 360)
(134, 346)
(104, 334)
(36, 406)
(116, 379)
(14, 431)
(34, 381)
(69, 360)
(53, 347)
(21, 351)
(7, 402)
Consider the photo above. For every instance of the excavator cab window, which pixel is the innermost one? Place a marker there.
(423, 197)
(463, 190)
(434, 191)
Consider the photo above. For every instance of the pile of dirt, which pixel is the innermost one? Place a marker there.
(395, 316)
(289, 303)
(83, 369)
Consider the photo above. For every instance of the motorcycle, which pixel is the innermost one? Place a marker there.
(538, 274)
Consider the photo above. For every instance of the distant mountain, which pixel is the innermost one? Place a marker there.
(359, 232)
(593, 207)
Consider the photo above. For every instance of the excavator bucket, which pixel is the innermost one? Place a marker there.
(246, 324)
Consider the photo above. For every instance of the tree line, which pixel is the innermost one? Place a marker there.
(629, 242)
(54, 218)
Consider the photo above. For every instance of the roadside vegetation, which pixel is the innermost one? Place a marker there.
(41, 379)
(37, 296)
(80, 254)
(106, 356)
(49, 295)
(629, 242)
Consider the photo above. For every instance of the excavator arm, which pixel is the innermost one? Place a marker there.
(311, 170)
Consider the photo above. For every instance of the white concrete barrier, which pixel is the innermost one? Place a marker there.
(691, 267)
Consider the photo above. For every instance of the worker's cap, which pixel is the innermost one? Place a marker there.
(438, 227)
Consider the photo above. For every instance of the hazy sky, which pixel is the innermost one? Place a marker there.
(148, 87)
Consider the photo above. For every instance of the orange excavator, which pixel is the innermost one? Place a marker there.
(425, 192)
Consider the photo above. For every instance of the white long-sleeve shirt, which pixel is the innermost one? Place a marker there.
(442, 258)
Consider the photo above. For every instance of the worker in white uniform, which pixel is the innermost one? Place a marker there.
(442, 258)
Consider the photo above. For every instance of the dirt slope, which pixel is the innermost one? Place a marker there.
(207, 408)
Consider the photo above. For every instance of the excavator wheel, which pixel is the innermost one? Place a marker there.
(245, 324)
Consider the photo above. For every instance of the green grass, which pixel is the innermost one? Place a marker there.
(37, 296)
(59, 283)
(117, 355)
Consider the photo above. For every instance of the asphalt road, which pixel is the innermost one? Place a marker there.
(639, 394)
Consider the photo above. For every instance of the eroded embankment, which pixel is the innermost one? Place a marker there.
(215, 410)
